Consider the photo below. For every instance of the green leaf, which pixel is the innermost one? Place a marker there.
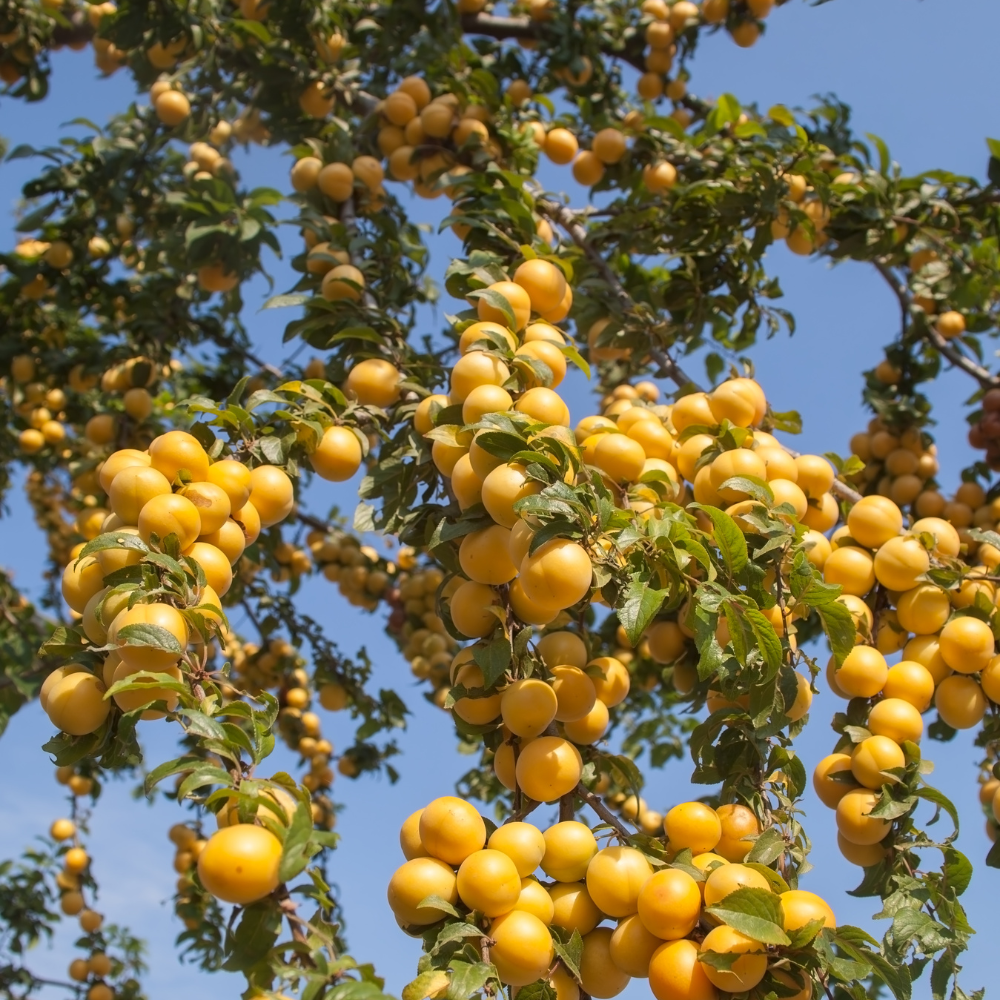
(729, 540)
(429, 983)
(642, 602)
(754, 912)
(767, 640)
(790, 422)
(153, 636)
(500, 444)
(768, 847)
(755, 488)
(497, 301)
(802, 936)
(457, 932)
(569, 947)
(69, 749)
(889, 808)
(993, 858)
(896, 977)
(186, 765)
(146, 680)
(780, 114)
(929, 794)
(64, 643)
(254, 936)
(629, 771)
(199, 724)
(574, 355)
(839, 628)
(541, 990)
(957, 870)
(433, 902)
(113, 540)
(884, 161)
(493, 659)
(295, 853)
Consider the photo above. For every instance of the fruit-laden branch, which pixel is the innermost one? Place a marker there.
(982, 375)
(569, 221)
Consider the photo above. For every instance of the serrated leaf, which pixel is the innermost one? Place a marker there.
(574, 355)
(569, 947)
(497, 301)
(493, 660)
(113, 540)
(456, 932)
(641, 604)
(839, 628)
(937, 797)
(754, 912)
(295, 852)
(254, 936)
(64, 643)
(432, 983)
(433, 902)
(153, 636)
(729, 540)
(755, 488)
(467, 979)
(768, 847)
(768, 642)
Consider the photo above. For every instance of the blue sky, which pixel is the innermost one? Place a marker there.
(915, 72)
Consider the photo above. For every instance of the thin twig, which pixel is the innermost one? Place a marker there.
(484, 953)
(839, 489)
(500, 28)
(288, 906)
(595, 803)
(246, 607)
(527, 806)
(311, 521)
(568, 220)
(982, 375)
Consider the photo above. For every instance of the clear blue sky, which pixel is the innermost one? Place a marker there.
(915, 72)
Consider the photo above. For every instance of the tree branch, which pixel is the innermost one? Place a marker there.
(982, 375)
(595, 803)
(500, 28)
(839, 489)
(527, 806)
(566, 810)
(569, 221)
